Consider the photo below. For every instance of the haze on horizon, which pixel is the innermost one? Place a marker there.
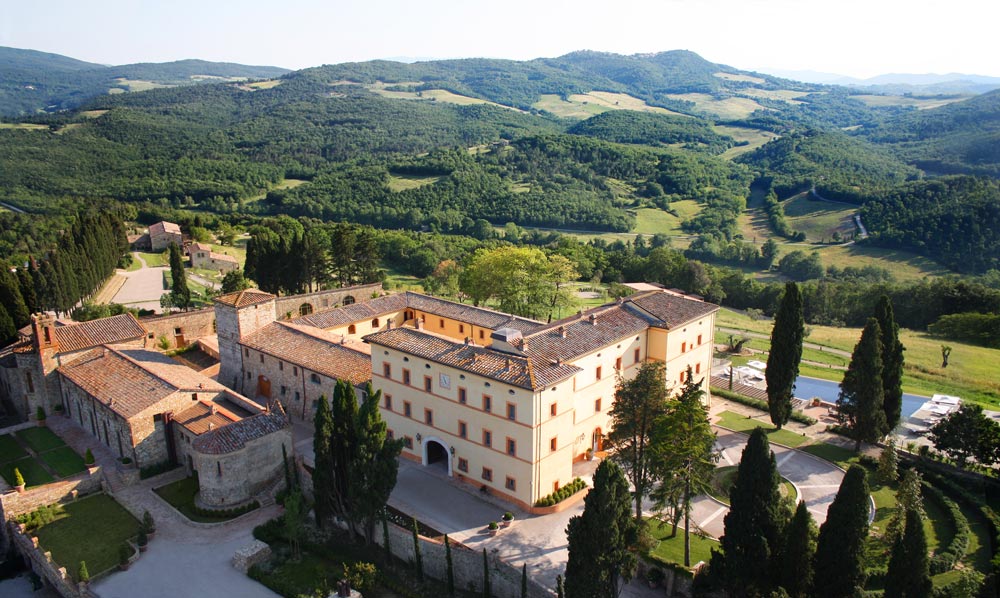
(858, 38)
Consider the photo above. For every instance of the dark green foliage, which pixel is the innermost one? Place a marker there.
(81, 573)
(839, 568)
(524, 580)
(7, 328)
(561, 494)
(909, 573)
(801, 266)
(323, 484)
(860, 403)
(449, 567)
(627, 126)
(234, 281)
(144, 472)
(11, 298)
(786, 353)
(386, 546)
(343, 441)
(776, 217)
(373, 467)
(796, 568)
(90, 311)
(797, 416)
(892, 362)
(180, 293)
(418, 561)
(601, 539)
(487, 592)
(755, 523)
(977, 329)
(948, 555)
(968, 434)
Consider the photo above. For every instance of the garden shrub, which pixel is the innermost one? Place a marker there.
(562, 494)
(39, 517)
(269, 532)
(947, 555)
(153, 470)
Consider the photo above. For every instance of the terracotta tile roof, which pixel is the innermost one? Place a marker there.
(356, 312)
(525, 372)
(164, 227)
(201, 417)
(222, 257)
(670, 308)
(104, 331)
(476, 316)
(130, 381)
(244, 298)
(587, 332)
(314, 350)
(236, 435)
(199, 247)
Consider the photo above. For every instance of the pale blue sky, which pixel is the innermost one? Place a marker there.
(852, 37)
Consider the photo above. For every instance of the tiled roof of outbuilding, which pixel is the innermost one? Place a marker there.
(233, 437)
(201, 418)
(314, 350)
(116, 329)
(525, 372)
(355, 312)
(244, 298)
(164, 227)
(672, 309)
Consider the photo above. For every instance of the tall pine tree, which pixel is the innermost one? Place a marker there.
(373, 465)
(602, 537)
(323, 473)
(754, 526)
(180, 293)
(796, 570)
(11, 298)
(839, 570)
(786, 352)
(892, 363)
(909, 573)
(860, 404)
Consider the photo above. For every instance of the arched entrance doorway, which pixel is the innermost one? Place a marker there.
(597, 441)
(437, 455)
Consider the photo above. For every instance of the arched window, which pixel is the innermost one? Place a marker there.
(375, 323)
(305, 309)
(348, 300)
(352, 329)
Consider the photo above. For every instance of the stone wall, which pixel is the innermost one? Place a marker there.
(235, 478)
(42, 564)
(14, 504)
(184, 327)
(321, 301)
(104, 425)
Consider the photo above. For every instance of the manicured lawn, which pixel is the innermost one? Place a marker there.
(740, 423)
(180, 495)
(64, 461)
(154, 260)
(91, 530)
(40, 439)
(671, 550)
(10, 450)
(31, 470)
(832, 453)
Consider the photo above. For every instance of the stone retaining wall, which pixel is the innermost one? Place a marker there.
(13, 503)
(42, 564)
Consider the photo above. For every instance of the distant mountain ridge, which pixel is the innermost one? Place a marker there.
(900, 83)
(33, 81)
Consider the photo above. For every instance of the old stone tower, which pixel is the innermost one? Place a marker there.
(238, 315)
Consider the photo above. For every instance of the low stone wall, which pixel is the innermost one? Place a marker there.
(192, 324)
(252, 554)
(13, 503)
(42, 564)
(321, 301)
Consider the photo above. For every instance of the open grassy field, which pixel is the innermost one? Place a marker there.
(24, 126)
(434, 95)
(725, 108)
(880, 101)
(782, 95)
(284, 184)
(649, 221)
(754, 138)
(585, 105)
(402, 182)
(818, 218)
(736, 77)
(904, 265)
(971, 373)
(270, 83)
(671, 549)
(139, 85)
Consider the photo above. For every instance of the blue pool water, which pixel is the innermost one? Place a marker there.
(807, 388)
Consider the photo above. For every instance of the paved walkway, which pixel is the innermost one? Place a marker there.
(143, 287)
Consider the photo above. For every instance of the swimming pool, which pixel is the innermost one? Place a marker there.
(807, 388)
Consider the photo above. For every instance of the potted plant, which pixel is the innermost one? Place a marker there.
(508, 518)
(18, 480)
(590, 454)
(124, 555)
(494, 528)
(40, 416)
(60, 409)
(142, 541)
(148, 525)
(82, 574)
(88, 458)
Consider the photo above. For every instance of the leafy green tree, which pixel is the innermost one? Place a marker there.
(839, 568)
(323, 483)
(522, 280)
(786, 353)
(602, 537)
(374, 464)
(180, 294)
(638, 405)
(768, 254)
(755, 523)
(859, 406)
(293, 522)
(892, 362)
(888, 463)
(796, 569)
(909, 567)
(684, 454)
(968, 434)
(234, 282)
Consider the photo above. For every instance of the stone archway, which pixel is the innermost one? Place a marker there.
(305, 309)
(437, 454)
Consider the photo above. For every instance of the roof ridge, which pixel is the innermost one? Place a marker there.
(320, 334)
(510, 316)
(139, 365)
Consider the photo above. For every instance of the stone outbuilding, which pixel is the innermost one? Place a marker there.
(162, 234)
(202, 256)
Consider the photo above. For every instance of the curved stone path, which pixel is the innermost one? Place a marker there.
(815, 479)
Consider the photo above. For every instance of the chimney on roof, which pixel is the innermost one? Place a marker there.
(419, 323)
(343, 340)
(211, 426)
(388, 325)
(524, 345)
(508, 365)
(593, 319)
(214, 409)
(468, 340)
(562, 331)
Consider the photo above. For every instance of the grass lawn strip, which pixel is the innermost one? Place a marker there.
(741, 423)
(91, 530)
(32, 471)
(40, 439)
(10, 450)
(671, 550)
(64, 461)
(725, 477)
(180, 495)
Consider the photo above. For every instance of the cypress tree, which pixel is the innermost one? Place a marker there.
(909, 568)
(796, 571)
(786, 352)
(7, 328)
(600, 539)
(373, 465)
(560, 591)
(323, 481)
(839, 570)
(449, 567)
(342, 444)
(386, 546)
(418, 559)
(487, 593)
(26, 284)
(524, 580)
(860, 404)
(754, 526)
(181, 292)
(11, 298)
(892, 363)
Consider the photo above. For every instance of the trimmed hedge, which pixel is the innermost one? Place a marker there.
(797, 416)
(155, 469)
(562, 494)
(226, 513)
(947, 556)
